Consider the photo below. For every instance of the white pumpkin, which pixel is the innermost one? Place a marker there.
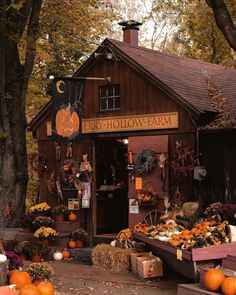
(3, 258)
(57, 256)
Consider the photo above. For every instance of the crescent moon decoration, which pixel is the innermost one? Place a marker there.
(58, 86)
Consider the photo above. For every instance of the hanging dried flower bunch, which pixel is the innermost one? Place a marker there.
(69, 171)
(183, 160)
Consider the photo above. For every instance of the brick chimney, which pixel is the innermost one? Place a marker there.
(130, 31)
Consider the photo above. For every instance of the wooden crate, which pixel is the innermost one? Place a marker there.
(149, 267)
(134, 257)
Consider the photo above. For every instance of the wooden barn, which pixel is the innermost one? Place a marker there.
(153, 104)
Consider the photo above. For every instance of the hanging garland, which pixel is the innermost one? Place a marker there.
(146, 161)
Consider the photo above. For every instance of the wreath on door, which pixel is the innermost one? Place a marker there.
(145, 162)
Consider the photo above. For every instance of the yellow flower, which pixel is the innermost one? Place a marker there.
(45, 232)
(40, 207)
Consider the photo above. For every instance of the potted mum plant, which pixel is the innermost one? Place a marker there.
(59, 213)
(42, 221)
(22, 249)
(45, 234)
(26, 221)
(42, 209)
(40, 272)
(37, 251)
(80, 236)
(14, 260)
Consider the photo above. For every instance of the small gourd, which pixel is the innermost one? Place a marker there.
(3, 258)
(72, 244)
(66, 254)
(57, 256)
(72, 216)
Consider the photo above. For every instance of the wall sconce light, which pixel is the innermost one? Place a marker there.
(109, 56)
(96, 54)
(125, 141)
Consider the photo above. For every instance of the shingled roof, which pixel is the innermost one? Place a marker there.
(183, 75)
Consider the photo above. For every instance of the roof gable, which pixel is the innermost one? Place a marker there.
(181, 77)
(184, 75)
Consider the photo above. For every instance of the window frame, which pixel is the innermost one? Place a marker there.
(108, 97)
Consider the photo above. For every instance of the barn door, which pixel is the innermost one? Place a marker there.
(158, 177)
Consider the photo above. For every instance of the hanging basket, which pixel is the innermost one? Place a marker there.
(148, 195)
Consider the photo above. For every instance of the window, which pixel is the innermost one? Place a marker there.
(109, 97)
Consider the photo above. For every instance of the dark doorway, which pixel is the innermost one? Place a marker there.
(111, 186)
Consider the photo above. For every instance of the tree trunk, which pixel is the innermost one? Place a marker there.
(224, 21)
(13, 87)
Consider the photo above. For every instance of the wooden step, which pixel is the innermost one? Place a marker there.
(66, 226)
(81, 255)
(194, 289)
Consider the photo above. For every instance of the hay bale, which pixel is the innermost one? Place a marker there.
(112, 258)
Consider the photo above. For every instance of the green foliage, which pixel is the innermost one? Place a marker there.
(198, 37)
(39, 271)
(61, 49)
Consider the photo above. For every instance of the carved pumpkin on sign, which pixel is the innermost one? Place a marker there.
(67, 122)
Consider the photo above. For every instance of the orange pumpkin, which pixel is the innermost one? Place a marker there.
(20, 278)
(8, 290)
(72, 216)
(66, 254)
(67, 122)
(46, 288)
(229, 286)
(12, 271)
(72, 244)
(213, 279)
(29, 289)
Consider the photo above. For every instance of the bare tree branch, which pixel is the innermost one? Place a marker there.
(224, 21)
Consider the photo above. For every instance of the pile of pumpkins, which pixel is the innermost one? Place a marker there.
(63, 255)
(214, 280)
(21, 284)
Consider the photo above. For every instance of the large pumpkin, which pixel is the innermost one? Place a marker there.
(8, 290)
(29, 289)
(213, 279)
(67, 122)
(20, 278)
(46, 288)
(229, 286)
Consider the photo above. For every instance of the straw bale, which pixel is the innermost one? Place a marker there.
(115, 259)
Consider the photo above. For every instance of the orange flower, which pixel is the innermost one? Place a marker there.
(66, 167)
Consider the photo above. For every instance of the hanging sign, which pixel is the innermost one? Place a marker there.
(133, 206)
(138, 183)
(67, 108)
(131, 123)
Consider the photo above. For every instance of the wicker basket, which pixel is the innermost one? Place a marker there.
(147, 196)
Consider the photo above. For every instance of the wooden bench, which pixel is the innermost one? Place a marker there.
(187, 262)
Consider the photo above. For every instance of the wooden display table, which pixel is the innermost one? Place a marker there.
(186, 262)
